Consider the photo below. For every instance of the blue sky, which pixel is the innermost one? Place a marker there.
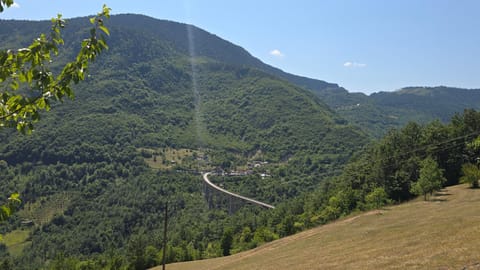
(363, 45)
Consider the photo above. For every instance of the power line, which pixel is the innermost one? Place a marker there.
(432, 146)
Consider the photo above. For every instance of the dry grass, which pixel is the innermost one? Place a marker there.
(443, 233)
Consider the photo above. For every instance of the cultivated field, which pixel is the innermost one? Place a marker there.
(168, 158)
(443, 233)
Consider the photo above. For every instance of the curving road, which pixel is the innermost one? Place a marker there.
(205, 178)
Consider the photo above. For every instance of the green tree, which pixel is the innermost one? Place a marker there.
(246, 235)
(28, 69)
(377, 198)
(287, 225)
(333, 210)
(136, 252)
(264, 235)
(475, 144)
(226, 242)
(87, 265)
(62, 262)
(151, 256)
(9, 208)
(27, 82)
(6, 264)
(471, 174)
(431, 178)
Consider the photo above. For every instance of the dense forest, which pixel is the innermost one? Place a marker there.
(97, 172)
(385, 171)
(108, 209)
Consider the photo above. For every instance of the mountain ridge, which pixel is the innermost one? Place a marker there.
(375, 113)
(384, 113)
(224, 53)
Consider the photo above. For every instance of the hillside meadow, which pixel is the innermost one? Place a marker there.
(442, 233)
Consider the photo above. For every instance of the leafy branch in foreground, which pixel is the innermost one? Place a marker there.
(6, 3)
(9, 208)
(30, 67)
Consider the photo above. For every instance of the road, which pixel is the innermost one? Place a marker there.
(205, 178)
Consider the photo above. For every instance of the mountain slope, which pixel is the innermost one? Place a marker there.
(430, 102)
(211, 46)
(438, 234)
(382, 111)
(375, 113)
(195, 99)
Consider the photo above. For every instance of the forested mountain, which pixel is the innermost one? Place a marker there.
(95, 174)
(150, 71)
(213, 47)
(382, 111)
(429, 102)
(376, 113)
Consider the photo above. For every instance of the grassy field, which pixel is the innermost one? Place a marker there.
(167, 158)
(16, 241)
(42, 211)
(443, 233)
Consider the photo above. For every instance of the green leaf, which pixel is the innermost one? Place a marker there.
(103, 44)
(5, 212)
(8, 3)
(15, 198)
(106, 11)
(22, 77)
(104, 29)
(29, 76)
(41, 103)
(31, 66)
(14, 85)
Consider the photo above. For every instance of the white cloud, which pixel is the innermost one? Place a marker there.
(354, 65)
(15, 5)
(276, 53)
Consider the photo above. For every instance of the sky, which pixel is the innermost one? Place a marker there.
(362, 45)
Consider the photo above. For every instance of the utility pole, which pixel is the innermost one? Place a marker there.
(165, 235)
